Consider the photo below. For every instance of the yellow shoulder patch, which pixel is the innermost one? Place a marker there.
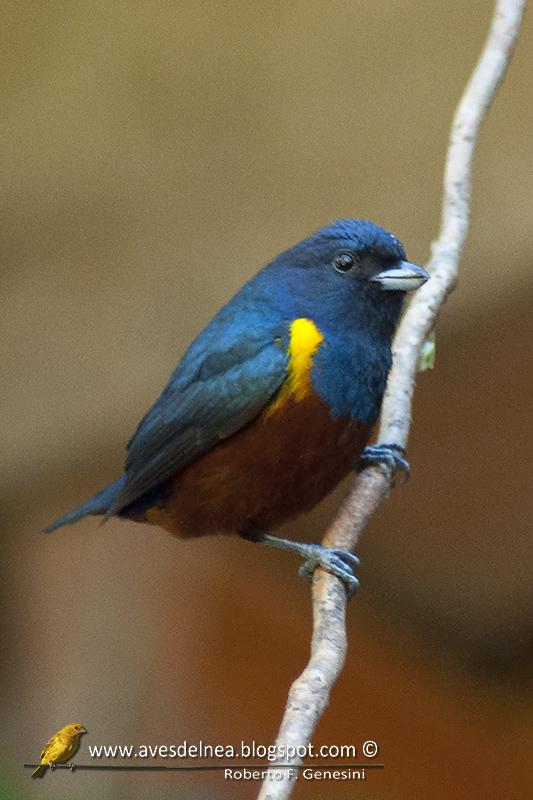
(305, 339)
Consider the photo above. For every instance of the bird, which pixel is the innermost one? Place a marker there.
(274, 402)
(61, 746)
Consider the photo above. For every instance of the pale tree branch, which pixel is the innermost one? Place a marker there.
(309, 694)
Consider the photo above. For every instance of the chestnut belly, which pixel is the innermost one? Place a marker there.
(278, 466)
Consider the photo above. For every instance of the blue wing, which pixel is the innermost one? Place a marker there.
(219, 386)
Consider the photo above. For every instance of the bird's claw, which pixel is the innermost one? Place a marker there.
(51, 765)
(72, 766)
(387, 457)
(335, 560)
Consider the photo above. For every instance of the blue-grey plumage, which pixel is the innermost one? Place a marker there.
(244, 360)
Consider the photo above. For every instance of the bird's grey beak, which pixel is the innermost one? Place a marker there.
(404, 277)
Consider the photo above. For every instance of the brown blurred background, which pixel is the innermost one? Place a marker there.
(154, 155)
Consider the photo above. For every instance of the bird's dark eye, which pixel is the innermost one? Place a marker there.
(344, 262)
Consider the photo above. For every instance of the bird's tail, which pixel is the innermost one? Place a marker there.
(39, 772)
(99, 504)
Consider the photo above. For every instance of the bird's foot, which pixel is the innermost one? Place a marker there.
(333, 559)
(71, 766)
(388, 457)
(51, 765)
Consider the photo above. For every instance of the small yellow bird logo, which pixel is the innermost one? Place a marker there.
(61, 746)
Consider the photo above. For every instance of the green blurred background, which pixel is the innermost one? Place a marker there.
(154, 155)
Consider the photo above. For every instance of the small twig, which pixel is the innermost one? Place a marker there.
(309, 694)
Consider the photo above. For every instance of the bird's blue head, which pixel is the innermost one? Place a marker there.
(351, 272)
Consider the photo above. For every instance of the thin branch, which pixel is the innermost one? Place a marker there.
(309, 694)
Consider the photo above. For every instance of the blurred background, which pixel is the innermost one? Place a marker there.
(154, 156)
